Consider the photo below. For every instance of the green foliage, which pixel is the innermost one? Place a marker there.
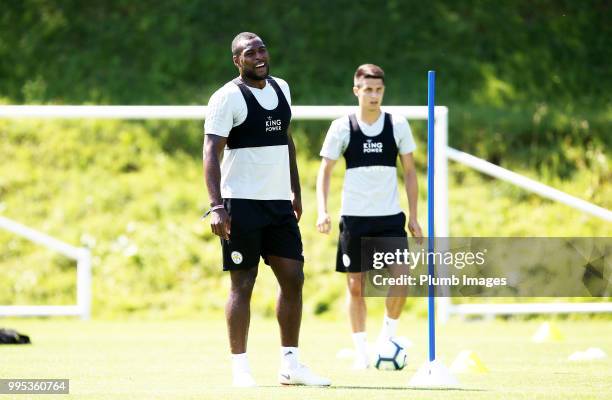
(490, 53)
(526, 82)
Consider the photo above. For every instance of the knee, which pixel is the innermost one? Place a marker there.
(243, 286)
(354, 287)
(295, 281)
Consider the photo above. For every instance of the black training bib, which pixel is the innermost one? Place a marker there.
(367, 151)
(261, 127)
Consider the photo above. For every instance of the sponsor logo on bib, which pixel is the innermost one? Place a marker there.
(274, 125)
(372, 147)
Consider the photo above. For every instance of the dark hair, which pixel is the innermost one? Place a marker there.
(236, 43)
(368, 71)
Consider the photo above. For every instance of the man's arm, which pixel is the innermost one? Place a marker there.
(296, 202)
(412, 191)
(323, 179)
(213, 146)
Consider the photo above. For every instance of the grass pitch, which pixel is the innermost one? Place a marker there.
(189, 360)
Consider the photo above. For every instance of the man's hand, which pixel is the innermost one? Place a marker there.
(221, 223)
(296, 203)
(415, 230)
(324, 223)
(323, 178)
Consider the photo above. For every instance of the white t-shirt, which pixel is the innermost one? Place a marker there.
(258, 173)
(368, 191)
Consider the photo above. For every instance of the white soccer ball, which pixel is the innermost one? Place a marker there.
(391, 356)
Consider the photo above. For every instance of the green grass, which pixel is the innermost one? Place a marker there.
(189, 359)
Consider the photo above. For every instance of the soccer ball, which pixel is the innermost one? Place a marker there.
(391, 356)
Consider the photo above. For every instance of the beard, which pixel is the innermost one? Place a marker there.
(252, 75)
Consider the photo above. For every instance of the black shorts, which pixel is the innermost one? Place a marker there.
(260, 228)
(353, 229)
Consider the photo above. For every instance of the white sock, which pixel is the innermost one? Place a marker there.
(389, 328)
(360, 340)
(240, 363)
(289, 357)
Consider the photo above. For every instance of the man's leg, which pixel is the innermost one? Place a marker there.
(393, 310)
(358, 313)
(290, 276)
(238, 317)
(394, 306)
(356, 302)
(238, 308)
(396, 297)
(394, 303)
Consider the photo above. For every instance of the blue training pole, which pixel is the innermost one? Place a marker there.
(431, 89)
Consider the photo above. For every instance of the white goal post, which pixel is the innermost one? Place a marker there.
(83, 266)
(443, 154)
